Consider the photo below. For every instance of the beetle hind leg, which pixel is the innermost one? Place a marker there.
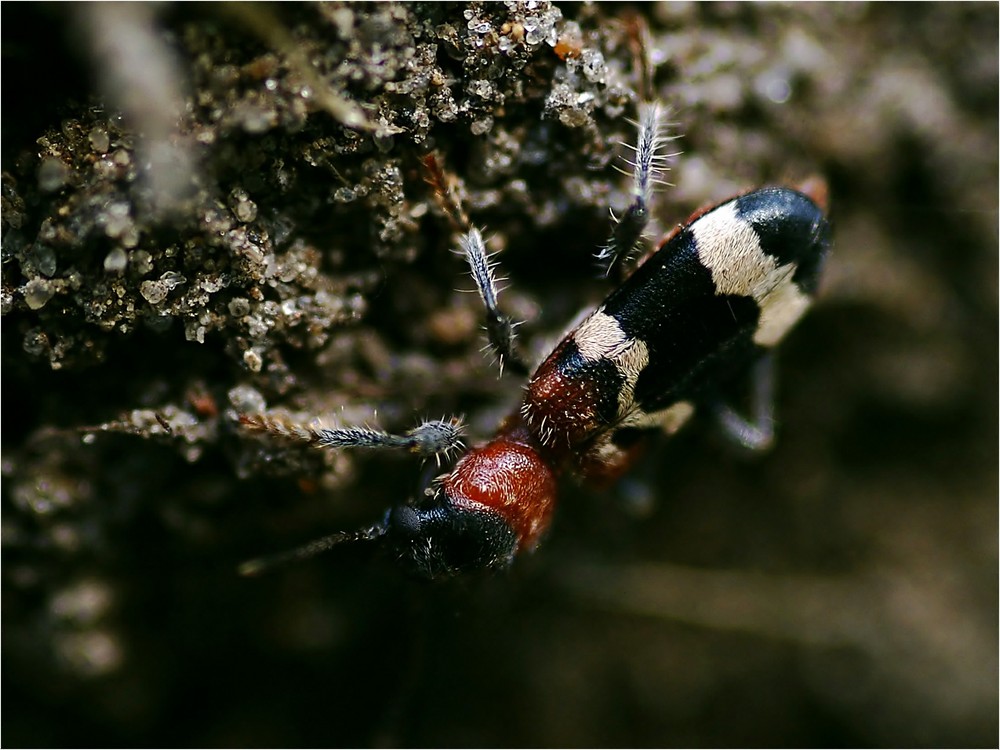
(648, 165)
(755, 433)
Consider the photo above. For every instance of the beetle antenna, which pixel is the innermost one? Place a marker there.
(313, 548)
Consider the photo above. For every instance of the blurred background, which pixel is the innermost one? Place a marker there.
(216, 209)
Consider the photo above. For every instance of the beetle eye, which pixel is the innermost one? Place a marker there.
(404, 521)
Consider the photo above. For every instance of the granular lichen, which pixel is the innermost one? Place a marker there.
(289, 220)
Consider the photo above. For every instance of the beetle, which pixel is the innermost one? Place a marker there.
(708, 306)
